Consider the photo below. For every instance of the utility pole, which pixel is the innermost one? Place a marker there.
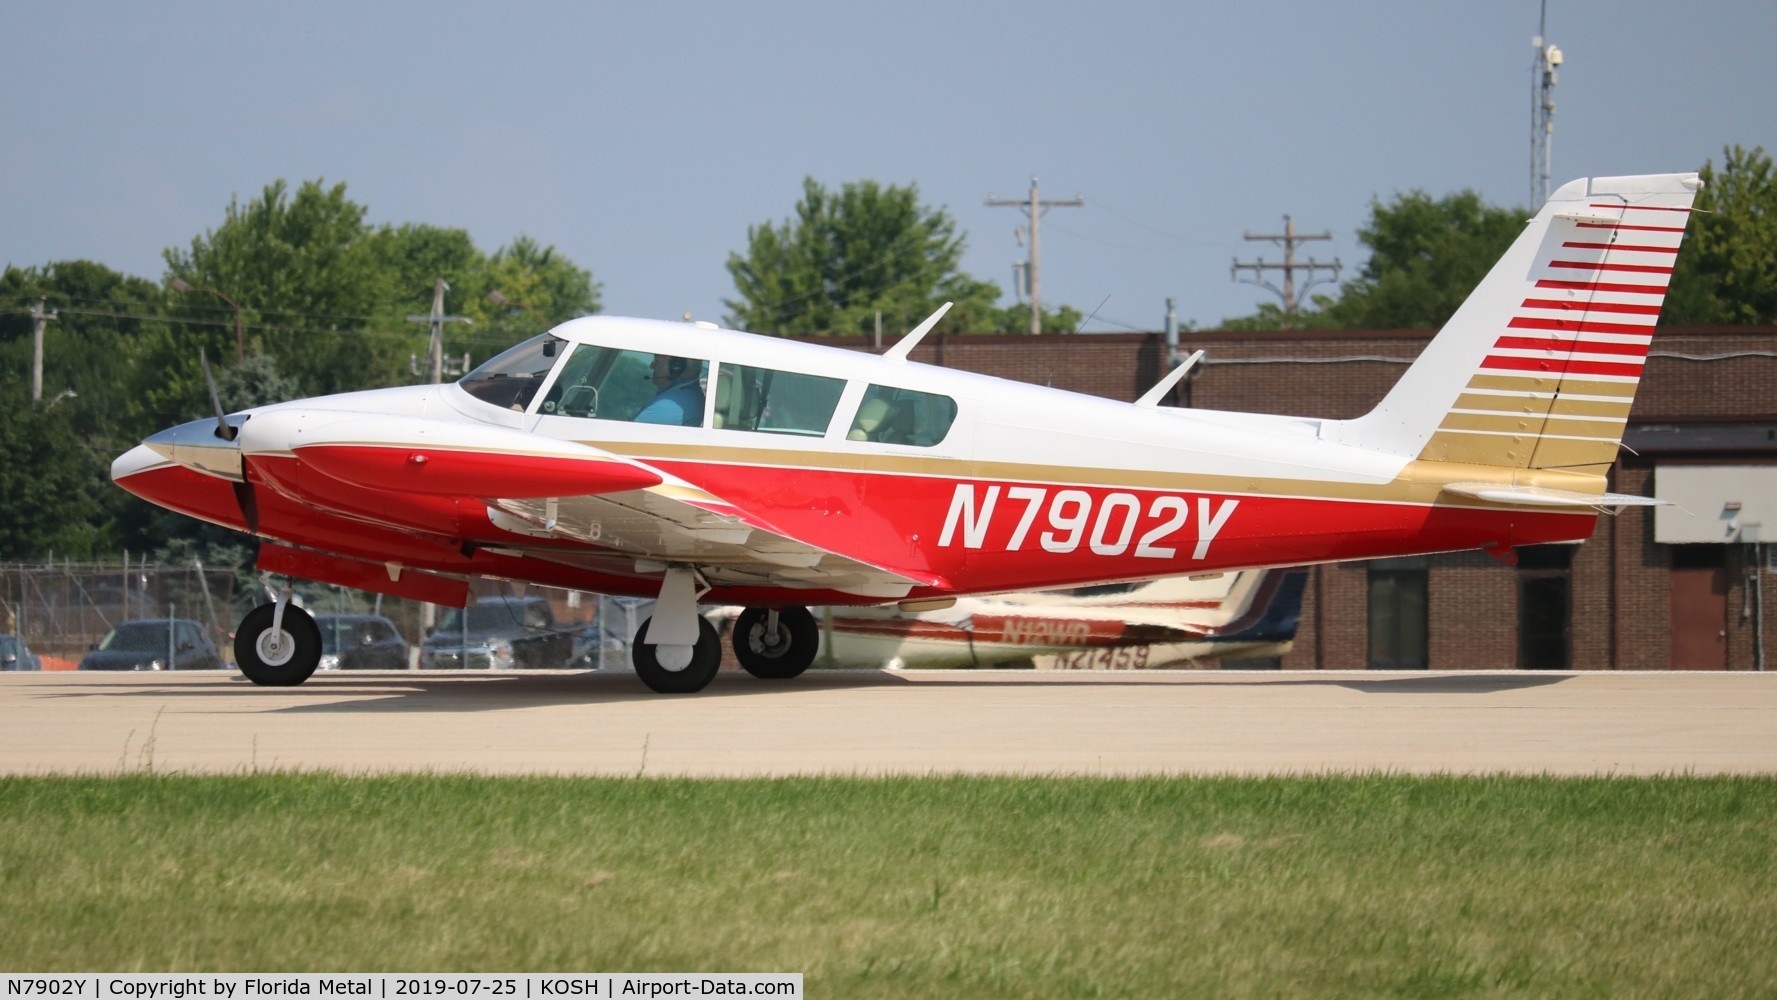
(1288, 240)
(1542, 109)
(38, 318)
(436, 318)
(1032, 273)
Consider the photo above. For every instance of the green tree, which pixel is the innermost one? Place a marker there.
(55, 495)
(846, 255)
(305, 270)
(1426, 255)
(1727, 272)
(537, 288)
(55, 491)
(328, 295)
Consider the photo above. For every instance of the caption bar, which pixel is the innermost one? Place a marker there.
(399, 985)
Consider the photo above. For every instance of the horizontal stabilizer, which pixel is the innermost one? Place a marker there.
(1542, 496)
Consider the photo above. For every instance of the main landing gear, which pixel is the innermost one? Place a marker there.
(677, 651)
(775, 643)
(278, 644)
(770, 643)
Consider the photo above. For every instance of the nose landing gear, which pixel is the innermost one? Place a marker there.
(278, 644)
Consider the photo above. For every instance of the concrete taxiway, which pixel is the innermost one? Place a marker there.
(1008, 722)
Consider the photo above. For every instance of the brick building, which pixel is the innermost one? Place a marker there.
(1680, 588)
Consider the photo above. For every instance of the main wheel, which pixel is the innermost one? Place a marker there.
(776, 655)
(284, 658)
(706, 656)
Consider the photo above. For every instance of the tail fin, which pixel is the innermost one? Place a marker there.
(1538, 369)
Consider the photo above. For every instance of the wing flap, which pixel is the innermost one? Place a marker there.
(676, 522)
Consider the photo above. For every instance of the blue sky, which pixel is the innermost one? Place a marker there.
(643, 139)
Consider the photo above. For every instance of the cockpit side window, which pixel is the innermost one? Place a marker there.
(606, 383)
(775, 402)
(902, 416)
(511, 378)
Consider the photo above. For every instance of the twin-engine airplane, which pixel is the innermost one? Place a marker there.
(693, 464)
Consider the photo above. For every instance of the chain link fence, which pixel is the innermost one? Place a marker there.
(62, 610)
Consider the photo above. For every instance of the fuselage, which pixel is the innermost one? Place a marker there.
(1024, 487)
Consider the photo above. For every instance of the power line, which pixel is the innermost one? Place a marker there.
(1288, 240)
(1034, 208)
(436, 318)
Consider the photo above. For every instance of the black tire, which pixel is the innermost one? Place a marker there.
(706, 657)
(779, 656)
(284, 667)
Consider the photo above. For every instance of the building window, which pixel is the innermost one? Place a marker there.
(1398, 625)
(1545, 607)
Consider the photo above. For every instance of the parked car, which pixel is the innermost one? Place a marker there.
(144, 645)
(498, 633)
(360, 642)
(15, 655)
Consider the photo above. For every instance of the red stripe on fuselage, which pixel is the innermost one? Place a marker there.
(896, 520)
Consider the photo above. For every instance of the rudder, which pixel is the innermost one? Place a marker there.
(1538, 368)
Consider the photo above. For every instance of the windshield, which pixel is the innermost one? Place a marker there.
(137, 637)
(511, 379)
(612, 384)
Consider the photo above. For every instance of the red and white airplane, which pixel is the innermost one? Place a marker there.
(793, 474)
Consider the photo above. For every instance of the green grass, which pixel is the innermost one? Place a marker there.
(1382, 886)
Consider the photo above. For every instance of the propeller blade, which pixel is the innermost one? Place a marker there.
(223, 431)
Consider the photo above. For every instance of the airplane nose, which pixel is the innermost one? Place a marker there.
(197, 446)
(141, 458)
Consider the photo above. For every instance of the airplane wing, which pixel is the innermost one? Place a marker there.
(641, 531)
(560, 501)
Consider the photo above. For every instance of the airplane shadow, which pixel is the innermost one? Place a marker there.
(401, 691)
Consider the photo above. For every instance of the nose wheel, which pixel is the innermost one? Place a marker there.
(776, 643)
(277, 653)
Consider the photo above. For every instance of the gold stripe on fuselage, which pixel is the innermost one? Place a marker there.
(1420, 482)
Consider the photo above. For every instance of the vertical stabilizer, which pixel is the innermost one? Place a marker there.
(1538, 368)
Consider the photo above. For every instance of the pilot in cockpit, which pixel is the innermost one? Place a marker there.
(678, 399)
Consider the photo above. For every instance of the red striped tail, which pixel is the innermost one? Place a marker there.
(1538, 369)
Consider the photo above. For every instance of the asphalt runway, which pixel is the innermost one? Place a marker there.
(980, 722)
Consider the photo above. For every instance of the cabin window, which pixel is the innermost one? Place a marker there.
(605, 383)
(902, 416)
(512, 378)
(774, 402)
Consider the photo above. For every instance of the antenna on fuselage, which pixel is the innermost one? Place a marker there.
(1151, 398)
(905, 345)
